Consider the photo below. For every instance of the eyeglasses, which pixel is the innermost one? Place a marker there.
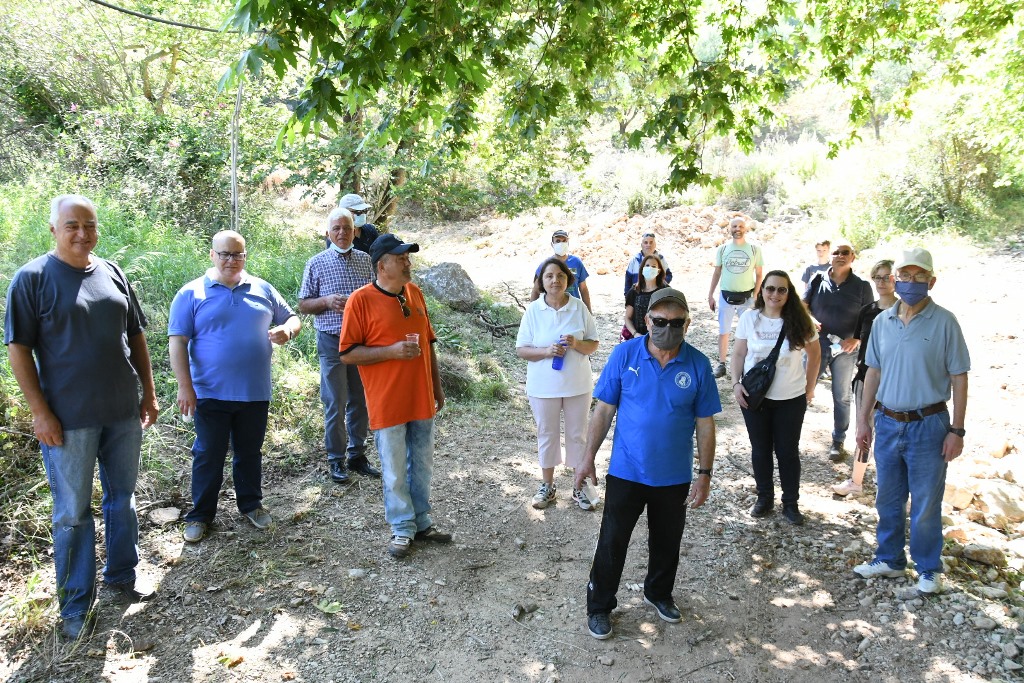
(881, 278)
(405, 309)
(231, 255)
(674, 323)
(842, 252)
(360, 212)
(919, 277)
(771, 289)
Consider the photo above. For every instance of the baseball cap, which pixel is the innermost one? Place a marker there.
(389, 244)
(668, 294)
(353, 201)
(559, 233)
(918, 256)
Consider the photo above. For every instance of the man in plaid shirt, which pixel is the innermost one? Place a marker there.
(329, 278)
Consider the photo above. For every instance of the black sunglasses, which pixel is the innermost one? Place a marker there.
(674, 323)
(773, 288)
(405, 309)
(841, 252)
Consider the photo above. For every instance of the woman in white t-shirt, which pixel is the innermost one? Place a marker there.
(558, 326)
(776, 426)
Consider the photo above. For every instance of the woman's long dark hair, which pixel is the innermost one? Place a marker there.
(799, 327)
(659, 281)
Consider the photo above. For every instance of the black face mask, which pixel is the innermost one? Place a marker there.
(666, 338)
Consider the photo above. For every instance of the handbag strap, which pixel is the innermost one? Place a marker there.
(774, 355)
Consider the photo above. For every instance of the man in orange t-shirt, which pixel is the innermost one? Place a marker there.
(385, 331)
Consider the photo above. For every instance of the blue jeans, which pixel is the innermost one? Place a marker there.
(340, 385)
(842, 367)
(244, 425)
(69, 472)
(407, 464)
(908, 459)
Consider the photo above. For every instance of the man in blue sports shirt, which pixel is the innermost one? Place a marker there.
(663, 390)
(579, 289)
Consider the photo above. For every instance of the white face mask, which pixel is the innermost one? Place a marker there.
(360, 220)
(338, 249)
(560, 248)
(650, 272)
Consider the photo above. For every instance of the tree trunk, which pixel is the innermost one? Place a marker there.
(351, 178)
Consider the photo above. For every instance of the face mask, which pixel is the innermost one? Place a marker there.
(650, 272)
(560, 248)
(338, 249)
(666, 338)
(911, 293)
(360, 220)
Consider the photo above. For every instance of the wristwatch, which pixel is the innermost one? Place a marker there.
(701, 471)
(959, 432)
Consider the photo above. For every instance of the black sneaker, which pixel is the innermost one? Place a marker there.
(792, 514)
(80, 626)
(338, 472)
(666, 609)
(432, 534)
(600, 625)
(720, 370)
(762, 508)
(835, 452)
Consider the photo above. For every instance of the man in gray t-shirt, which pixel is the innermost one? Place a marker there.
(74, 335)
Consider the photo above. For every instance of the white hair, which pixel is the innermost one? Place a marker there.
(336, 213)
(60, 199)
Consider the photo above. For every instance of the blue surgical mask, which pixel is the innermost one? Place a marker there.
(911, 293)
(338, 249)
(360, 220)
(650, 272)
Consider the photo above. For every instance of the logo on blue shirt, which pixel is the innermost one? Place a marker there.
(683, 380)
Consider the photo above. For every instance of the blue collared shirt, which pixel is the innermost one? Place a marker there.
(332, 273)
(657, 411)
(916, 360)
(229, 350)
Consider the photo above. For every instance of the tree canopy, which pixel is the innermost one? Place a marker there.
(713, 68)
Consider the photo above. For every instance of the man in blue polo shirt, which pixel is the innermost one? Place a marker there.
(579, 289)
(221, 331)
(663, 390)
(917, 360)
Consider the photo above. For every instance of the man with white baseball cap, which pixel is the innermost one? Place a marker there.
(366, 233)
(917, 360)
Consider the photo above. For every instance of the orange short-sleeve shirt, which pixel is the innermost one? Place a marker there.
(397, 391)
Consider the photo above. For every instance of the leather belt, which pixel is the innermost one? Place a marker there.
(912, 415)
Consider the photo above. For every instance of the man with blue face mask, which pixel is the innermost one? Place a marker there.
(365, 233)
(661, 391)
(917, 360)
(330, 277)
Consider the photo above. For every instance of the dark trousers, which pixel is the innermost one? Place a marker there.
(666, 519)
(776, 428)
(243, 424)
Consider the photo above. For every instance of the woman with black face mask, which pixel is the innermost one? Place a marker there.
(776, 425)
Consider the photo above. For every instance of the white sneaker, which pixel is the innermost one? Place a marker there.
(847, 488)
(876, 568)
(929, 583)
(582, 499)
(545, 496)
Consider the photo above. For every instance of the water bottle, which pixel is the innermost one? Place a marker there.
(836, 347)
(557, 361)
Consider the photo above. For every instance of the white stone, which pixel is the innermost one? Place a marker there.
(985, 554)
(1000, 501)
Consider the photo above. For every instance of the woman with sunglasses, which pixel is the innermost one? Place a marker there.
(638, 298)
(776, 426)
(557, 336)
(885, 285)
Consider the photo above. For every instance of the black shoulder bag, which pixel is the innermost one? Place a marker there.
(758, 379)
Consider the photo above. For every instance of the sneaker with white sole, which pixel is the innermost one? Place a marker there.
(399, 546)
(847, 488)
(581, 498)
(929, 583)
(545, 496)
(876, 568)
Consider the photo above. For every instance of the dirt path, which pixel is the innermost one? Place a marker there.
(316, 599)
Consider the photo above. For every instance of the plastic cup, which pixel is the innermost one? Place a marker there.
(592, 493)
(413, 338)
(186, 418)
